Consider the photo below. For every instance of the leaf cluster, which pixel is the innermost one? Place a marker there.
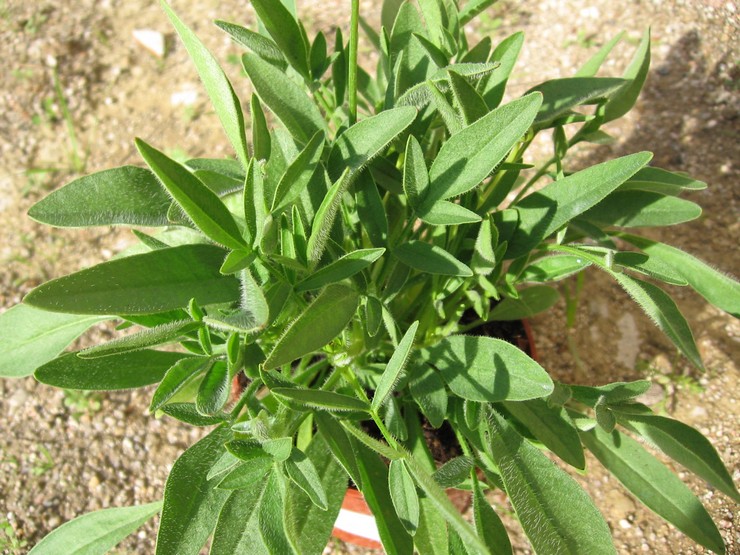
(335, 265)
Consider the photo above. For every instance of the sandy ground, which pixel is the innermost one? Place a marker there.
(63, 453)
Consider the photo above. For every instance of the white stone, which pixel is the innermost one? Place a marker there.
(153, 41)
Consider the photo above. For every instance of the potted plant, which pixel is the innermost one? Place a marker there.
(342, 270)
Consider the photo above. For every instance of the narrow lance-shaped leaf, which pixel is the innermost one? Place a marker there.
(506, 53)
(429, 258)
(641, 209)
(191, 501)
(561, 95)
(593, 64)
(271, 522)
(32, 337)
(636, 73)
(237, 528)
(220, 91)
(471, 105)
(556, 514)
(261, 141)
(284, 30)
(303, 473)
(252, 314)
(685, 445)
(532, 300)
(324, 219)
(362, 142)
(127, 195)
(261, 45)
(214, 390)
(663, 311)
(488, 524)
(404, 496)
(321, 322)
(653, 484)
(298, 174)
(121, 371)
(147, 283)
(342, 268)
(176, 378)
(395, 367)
(285, 98)
(95, 533)
(339, 444)
(159, 335)
(320, 399)
(200, 203)
(415, 173)
(719, 289)
(428, 390)
(542, 213)
(470, 155)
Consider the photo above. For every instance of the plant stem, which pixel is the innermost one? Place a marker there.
(353, 45)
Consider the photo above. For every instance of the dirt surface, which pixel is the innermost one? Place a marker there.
(63, 454)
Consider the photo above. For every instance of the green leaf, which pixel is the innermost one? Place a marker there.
(653, 484)
(236, 261)
(559, 96)
(471, 105)
(339, 444)
(177, 377)
(127, 195)
(155, 281)
(32, 337)
(394, 368)
(542, 213)
(191, 501)
(250, 449)
(432, 259)
(308, 526)
(444, 212)
(663, 311)
(322, 321)
(284, 30)
(122, 371)
(285, 98)
(616, 392)
(488, 524)
(438, 498)
(302, 472)
(636, 73)
(200, 204)
(324, 219)
(253, 313)
(649, 266)
(237, 528)
(428, 390)
(553, 427)
(247, 475)
(532, 300)
(662, 181)
(261, 141)
(719, 289)
(554, 268)
(255, 202)
(271, 521)
(506, 53)
(186, 412)
(487, 369)
(97, 532)
(396, 540)
(415, 173)
(454, 472)
(214, 390)
(319, 399)
(472, 8)
(370, 210)
(218, 87)
(404, 496)
(685, 445)
(469, 156)
(298, 175)
(591, 67)
(159, 335)
(368, 138)
(261, 45)
(342, 268)
(641, 209)
(556, 514)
